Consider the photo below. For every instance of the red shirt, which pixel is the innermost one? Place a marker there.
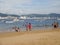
(29, 26)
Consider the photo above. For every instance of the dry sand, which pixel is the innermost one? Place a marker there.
(40, 37)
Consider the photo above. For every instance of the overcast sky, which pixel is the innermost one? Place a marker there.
(29, 6)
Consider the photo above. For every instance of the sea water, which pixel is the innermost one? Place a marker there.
(36, 24)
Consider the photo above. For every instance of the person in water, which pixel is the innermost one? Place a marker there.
(55, 24)
(16, 29)
(29, 26)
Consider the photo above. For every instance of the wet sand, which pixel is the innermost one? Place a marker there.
(37, 37)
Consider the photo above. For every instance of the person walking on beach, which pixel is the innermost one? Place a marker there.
(30, 26)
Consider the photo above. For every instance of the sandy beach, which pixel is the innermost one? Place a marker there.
(37, 37)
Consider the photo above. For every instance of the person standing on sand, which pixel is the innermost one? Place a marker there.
(30, 26)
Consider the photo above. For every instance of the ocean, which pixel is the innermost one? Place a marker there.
(36, 24)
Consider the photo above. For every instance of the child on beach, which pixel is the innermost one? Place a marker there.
(16, 29)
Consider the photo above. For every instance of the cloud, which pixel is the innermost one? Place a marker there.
(9, 6)
(29, 6)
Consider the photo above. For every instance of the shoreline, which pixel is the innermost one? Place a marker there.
(22, 30)
(33, 31)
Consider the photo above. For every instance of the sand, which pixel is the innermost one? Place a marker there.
(37, 37)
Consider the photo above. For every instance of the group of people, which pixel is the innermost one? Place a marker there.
(27, 25)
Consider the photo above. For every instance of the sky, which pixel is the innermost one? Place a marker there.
(29, 6)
